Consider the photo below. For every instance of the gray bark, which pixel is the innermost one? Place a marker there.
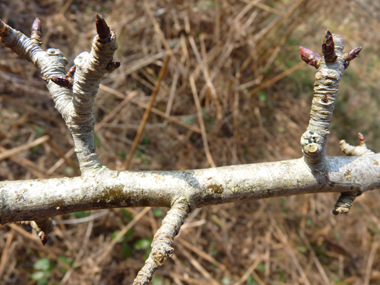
(36, 199)
(101, 188)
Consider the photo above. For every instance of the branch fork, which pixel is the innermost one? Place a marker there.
(84, 77)
(330, 69)
(98, 187)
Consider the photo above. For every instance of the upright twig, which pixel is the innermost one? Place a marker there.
(37, 31)
(313, 141)
(329, 73)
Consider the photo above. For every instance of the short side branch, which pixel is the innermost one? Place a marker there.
(359, 150)
(344, 203)
(162, 245)
(330, 70)
(346, 199)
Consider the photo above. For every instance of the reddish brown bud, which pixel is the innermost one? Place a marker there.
(328, 47)
(310, 57)
(361, 139)
(62, 81)
(71, 71)
(102, 28)
(113, 65)
(352, 53)
(4, 29)
(336, 212)
(37, 31)
(44, 239)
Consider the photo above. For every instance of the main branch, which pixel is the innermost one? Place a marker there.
(32, 199)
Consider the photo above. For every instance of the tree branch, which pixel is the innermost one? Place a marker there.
(183, 191)
(32, 199)
(162, 244)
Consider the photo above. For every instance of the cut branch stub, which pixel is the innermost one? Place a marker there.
(344, 203)
(310, 57)
(102, 28)
(346, 200)
(37, 31)
(328, 47)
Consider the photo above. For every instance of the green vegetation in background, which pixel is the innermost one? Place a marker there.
(43, 269)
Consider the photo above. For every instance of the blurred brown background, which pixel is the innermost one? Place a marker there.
(255, 97)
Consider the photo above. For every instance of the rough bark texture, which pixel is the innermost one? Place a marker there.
(99, 188)
(326, 86)
(162, 245)
(32, 199)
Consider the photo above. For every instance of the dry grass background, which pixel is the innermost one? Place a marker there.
(255, 99)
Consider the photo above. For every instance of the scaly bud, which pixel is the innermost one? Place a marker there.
(43, 228)
(113, 65)
(4, 29)
(102, 28)
(310, 57)
(351, 55)
(71, 71)
(37, 31)
(44, 238)
(328, 47)
(361, 139)
(62, 81)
